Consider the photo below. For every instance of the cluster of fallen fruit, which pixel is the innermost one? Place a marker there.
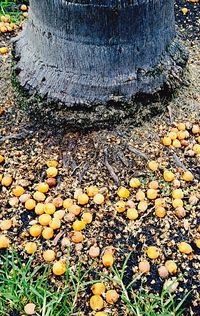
(52, 213)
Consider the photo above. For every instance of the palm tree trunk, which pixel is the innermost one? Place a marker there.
(89, 52)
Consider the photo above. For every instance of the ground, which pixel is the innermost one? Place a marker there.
(108, 159)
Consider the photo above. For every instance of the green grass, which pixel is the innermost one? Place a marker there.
(23, 283)
(12, 8)
(144, 304)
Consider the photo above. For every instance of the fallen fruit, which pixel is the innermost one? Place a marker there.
(87, 218)
(43, 187)
(171, 266)
(4, 242)
(49, 255)
(187, 176)
(30, 204)
(168, 176)
(123, 193)
(51, 172)
(134, 183)
(94, 251)
(39, 209)
(107, 259)
(55, 223)
(30, 247)
(6, 180)
(6, 224)
(120, 206)
(185, 248)
(29, 309)
(132, 214)
(78, 225)
(39, 196)
(83, 199)
(144, 266)
(47, 233)
(67, 203)
(98, 198)
(152, 194)
(96, 302)
(98, 288)
(177, 194)
(112, 296)
(160, 211)
(163, 272)
(59, 267)
(153, 165)
(35, 230)
(3, 50)
(49, 208)
(77, 237)
(44, 219)
(92, 191)
(18, 191)
(153, 252)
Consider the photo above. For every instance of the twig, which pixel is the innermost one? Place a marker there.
(137, 152)
(75, 168)
(123, 158)
(18, 136)
(83, 172)
(109, 167)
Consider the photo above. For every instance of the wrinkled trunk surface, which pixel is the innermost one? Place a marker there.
(90, 52)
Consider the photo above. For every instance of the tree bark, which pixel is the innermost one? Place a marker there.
(91, 52)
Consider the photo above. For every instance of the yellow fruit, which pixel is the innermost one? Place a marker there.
(30, 204)
(47, 233)
(152, 194)
(153, 252)
(23, 7)
(153, 185)
(96, 302)
(30, 247)
(123, 193)
(166, 141)
(185, 248)
(87, 218)
(39, 209)
(4, 50)
(39, 196)
(92, 191)
(6, 224)
(196, 148)
(44, 219)
(142, 206)
(181, 135)
(2, 159)
(168, 176)
(134, 183)
(159, 202)
(153, 165)
(52, 163)
(177, 194)
(112, 296)
(4, 242)
(171, 266)
(77, 237)
(59, 268)
(140, 195)
(98, 198)
(98, 288)
(160, 212)
(198, 139)
(184, 11)
(59, 214)
(52, 172)
(107, 259)
(187, 176)
(101, 314)
(43, 187)
(18, 191)
(78, 225)
(25, 14)
(55, 223)
(67, 203)
(172, 135)
(6, 181)
(83, 199)
(49, 255)
(195, 129)
(49, 208)
(176, 143)
(181, 126)
(74, 209)
(120, 206)
(177, 203)
(132, 213)
(144, 266)
(35, 230)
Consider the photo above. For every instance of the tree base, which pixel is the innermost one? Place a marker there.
(85, 91)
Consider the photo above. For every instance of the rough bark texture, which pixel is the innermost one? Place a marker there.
(91, 52)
